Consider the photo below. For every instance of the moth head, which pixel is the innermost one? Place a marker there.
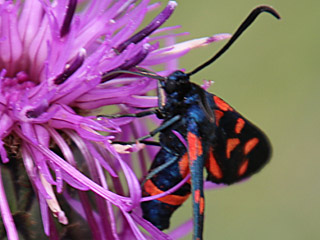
(176, 81)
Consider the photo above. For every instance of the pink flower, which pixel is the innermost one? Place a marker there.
(53, 65)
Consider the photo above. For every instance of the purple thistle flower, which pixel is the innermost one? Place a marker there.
(53, 60)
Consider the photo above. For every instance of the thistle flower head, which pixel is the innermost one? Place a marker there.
(54, 59)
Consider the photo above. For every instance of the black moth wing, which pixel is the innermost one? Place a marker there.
(239, 148)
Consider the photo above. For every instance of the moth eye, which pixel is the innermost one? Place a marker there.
(170, 86)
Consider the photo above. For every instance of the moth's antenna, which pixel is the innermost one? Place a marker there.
(246, 23)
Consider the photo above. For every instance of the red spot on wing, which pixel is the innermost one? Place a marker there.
(184, 165)
(243, 168)
(194, 147)
(213, 166)
(222, 104)
(171, 199)
(199, 200)
(250, 145)
(232, 143)
(201, 205)
(197, 196)
(218, 115)
(239, 125)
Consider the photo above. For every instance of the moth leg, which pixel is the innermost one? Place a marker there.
(150, 143)
(162, 127)
(159, 169)
(146, 142)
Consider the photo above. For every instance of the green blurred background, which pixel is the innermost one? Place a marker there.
(270, 76)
